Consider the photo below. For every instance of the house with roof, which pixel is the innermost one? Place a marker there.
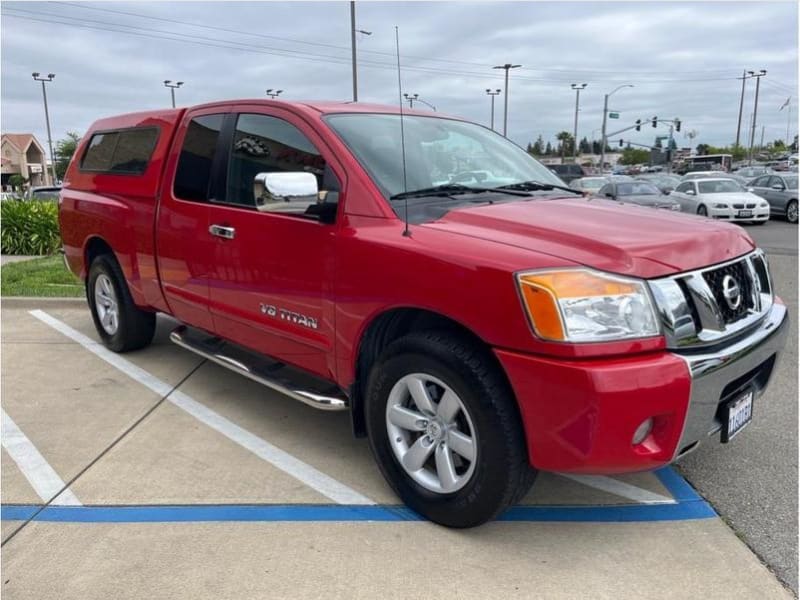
(22, 154)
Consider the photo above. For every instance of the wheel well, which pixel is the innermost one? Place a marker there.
(389, 327)
(94, 248)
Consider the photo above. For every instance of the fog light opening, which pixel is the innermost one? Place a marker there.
(642, 431)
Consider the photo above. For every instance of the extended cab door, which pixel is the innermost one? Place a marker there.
(272, 271)
(183, 245)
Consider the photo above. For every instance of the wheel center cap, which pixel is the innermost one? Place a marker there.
(434, 430)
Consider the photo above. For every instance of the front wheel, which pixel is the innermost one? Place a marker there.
(791, 211)
(702, 210)
(445, 430)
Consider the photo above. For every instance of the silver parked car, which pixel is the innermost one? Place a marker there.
(781, 193)
(721, 199)
(638, 192)
(588, 184)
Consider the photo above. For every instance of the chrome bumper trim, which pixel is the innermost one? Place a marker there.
(712, 371)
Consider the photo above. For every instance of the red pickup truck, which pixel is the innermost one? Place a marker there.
(478, 320)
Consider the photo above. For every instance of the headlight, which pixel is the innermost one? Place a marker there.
(720, 205)
(579, 305)
(764, 205)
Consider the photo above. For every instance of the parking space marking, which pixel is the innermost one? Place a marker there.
(42, 477)
(303, 472)
(620, 488)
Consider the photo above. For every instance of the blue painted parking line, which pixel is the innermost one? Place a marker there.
(689, 505)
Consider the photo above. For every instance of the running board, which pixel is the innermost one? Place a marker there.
(281, 377)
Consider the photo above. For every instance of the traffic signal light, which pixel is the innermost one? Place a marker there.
(621, 143)
(677, 124)
(655, 121)
(638, 124)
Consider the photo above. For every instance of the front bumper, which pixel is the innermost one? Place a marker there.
(732, 214)
(580, 415)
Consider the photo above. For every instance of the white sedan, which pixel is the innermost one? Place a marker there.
(720, 199)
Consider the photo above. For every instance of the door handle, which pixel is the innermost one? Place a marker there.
(222, 231)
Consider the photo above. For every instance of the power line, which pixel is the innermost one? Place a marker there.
(388, 54)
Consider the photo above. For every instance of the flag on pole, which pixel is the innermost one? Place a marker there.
(785, 104)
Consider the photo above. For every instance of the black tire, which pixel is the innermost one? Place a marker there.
(702, 210)
(501, 474)
(791, 211)
(135, 327)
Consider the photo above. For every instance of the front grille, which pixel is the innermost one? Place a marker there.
(741, 277)
(744, 206)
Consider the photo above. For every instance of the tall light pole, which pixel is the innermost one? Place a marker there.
(758, 77)
(577, 89)
(353, 48)
(493, 94)
(172, 87)
(48, 79)
(506, 67)
(603, 140)
(415, 98)
(744, 78)
(274, 93)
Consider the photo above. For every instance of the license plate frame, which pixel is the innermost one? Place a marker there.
(736, 415)
(744, 214)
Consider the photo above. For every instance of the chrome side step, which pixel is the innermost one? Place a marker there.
(281, 377)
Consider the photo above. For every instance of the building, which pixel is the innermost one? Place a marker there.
(22, 154)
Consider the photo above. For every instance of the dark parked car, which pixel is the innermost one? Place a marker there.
(665, 183)
(638, 192)
(781, 193)
(44, 193)
(567, 172)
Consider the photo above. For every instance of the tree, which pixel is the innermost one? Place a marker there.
(566, 143)
(584, 147)
(597, 147)
(703, 149)
(65, 148)
(548, 149)
(538, 146)
(658, 143)
(634, 156)
(17, 182)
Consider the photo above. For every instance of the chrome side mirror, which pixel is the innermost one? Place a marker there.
(291, 192)
(690, 192)
(778, 187)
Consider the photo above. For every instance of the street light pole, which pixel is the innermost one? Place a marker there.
(758, 77)
(577, 89)
(273, 94)
(603, 140)
(506, 67)
(493, 94)
(48, 79)
(172, 87)
(744, 78)
(353, 47)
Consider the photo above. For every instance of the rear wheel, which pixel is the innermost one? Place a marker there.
(791, 211)
(119, 322)
(702, 210)
(445, 430)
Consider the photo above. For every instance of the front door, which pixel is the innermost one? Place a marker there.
(272, 272)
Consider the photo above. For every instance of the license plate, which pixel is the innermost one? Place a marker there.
(738, 413)
(744, 213)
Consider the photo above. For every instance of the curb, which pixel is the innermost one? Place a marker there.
(35, 302)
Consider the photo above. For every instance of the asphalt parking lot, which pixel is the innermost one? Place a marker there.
(157, 474)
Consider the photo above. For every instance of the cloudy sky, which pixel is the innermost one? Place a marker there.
(682, 57)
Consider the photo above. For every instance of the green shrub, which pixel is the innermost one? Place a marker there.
(29, 227)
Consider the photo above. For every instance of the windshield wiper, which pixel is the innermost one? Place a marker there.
(448, 189)
(535, 186)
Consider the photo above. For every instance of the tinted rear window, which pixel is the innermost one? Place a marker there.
(127, 151)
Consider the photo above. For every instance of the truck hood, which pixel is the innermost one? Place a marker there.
(629, 239)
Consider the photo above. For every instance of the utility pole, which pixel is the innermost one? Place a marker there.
(744, 78)
(761, 147)
(495, 93)
(172, 87)
(603, 138)
(577, 89)
(48, 79)
(274, 93)
(353, 47)
(506, 67)
(758, 77)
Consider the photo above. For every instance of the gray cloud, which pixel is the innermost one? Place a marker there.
(682, 57)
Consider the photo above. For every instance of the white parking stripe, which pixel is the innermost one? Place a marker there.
(317, 480)
(620, 488)
(42, 477)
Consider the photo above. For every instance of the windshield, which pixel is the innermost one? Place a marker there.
(637, 189)
(722, 186)
(438, 151)
(791, 182)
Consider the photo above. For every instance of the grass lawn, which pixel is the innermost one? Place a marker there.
(40, 277)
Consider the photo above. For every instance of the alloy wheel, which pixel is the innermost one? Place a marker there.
(105, 301)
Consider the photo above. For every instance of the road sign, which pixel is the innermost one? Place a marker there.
(613, 115)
